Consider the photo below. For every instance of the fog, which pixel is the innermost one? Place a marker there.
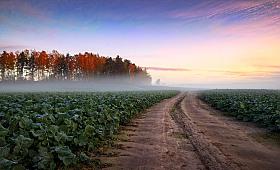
(262, 85)
(105, 85)
(82, 86)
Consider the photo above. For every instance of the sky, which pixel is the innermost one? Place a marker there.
(214, 42)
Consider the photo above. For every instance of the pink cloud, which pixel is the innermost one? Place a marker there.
(248, 74)
(13, 48)
(267, 26)
(267, 66)
(167, 69)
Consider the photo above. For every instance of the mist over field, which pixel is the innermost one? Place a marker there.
(263, 85)
(117, 85)
(82, 86)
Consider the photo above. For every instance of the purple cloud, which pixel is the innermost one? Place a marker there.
(233, 17)
(13, 48)
(249, 20)
(24, 10)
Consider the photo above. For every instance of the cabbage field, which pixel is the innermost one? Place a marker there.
(51, 130)
(259, 106)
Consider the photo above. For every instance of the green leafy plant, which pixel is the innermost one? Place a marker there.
(259, 106)
(50, 130)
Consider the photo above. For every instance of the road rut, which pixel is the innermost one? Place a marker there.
(185, 133)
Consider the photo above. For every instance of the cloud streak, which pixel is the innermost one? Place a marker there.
(251, 20)
(248, 74)
(233, 17)
(10, 48)
(267, 66)
(166, 69)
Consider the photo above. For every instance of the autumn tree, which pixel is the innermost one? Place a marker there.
(99, 65)
(56, 66)
(69, 66)
(3, 64)
(21, 63)
(109, 67)
(41, 63)
(7, 63)
(120, 66)
(31, 66)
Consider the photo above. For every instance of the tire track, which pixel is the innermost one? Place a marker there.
(221, 142)
(152, 146)
(182, 133)
(208, 154)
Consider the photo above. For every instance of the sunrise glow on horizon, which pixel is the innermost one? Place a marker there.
(179, 42)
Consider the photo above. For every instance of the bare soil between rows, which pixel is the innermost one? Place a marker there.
(185, 133)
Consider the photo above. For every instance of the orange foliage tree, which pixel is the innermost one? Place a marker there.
(55, 66)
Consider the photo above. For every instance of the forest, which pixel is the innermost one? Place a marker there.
(42, 66)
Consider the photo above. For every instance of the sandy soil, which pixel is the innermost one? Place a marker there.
(185, 133)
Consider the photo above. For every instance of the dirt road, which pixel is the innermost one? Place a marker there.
(184, 133)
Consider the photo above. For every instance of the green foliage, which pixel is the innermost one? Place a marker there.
(48, 130)
(259, 106)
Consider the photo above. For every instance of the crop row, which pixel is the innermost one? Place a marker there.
(47, 130)
(259, 106)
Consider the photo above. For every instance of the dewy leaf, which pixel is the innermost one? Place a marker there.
(2, 141)
(53, 128)
(16, 149)
(83, 157)
(44, 159)
(90, 130)
(25, 123)
(69, 138)
(82, 140)
(41, 134)
(5, 151)
(63, 151)
(33, 133)
(23, 142)
(24, 151)
(32, 153)
(67, 160)
(13, 126)
(77, 118)
(5, 163)
(35, 125)
(63, 128)
(62, 115)
(62, 137)
(3, 131)
(65, 154)
(18, 167)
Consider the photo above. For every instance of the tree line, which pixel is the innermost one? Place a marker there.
(42, 66)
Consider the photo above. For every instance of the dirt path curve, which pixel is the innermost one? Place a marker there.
(229, 138)
(151, 145)
(191, 135)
